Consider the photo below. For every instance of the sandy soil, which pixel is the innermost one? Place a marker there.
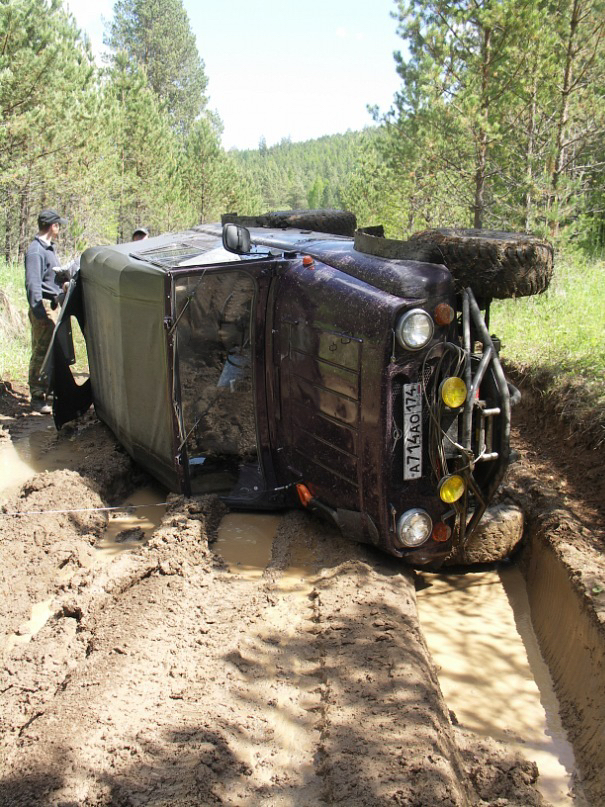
(164, 678)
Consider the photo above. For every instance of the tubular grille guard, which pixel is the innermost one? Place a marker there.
(471, 316)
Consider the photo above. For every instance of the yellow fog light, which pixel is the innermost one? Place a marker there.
(451, 488)
(453, 392)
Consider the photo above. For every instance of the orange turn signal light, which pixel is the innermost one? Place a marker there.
(441, 532)
(444, 314)
(308, 262)
(304, 494)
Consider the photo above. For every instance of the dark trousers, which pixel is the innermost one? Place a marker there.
(41, 331)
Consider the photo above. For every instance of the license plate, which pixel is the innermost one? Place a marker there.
(412, 431)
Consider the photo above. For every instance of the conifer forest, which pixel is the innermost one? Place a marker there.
(498, 123)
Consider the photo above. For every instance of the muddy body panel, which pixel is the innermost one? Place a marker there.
(287, 375)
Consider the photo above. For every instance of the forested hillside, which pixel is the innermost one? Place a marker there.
(499, 123)
(299, 175)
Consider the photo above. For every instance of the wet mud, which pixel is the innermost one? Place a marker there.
(559, 483)
(478, 628)
(169, 655)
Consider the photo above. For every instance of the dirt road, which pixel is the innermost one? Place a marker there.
(163, 677)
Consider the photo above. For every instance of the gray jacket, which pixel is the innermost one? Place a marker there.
(40, 276)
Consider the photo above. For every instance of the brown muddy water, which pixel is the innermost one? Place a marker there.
(130, 527)
(477, 624)
(478, 628)
(31, 454)
(36, 451)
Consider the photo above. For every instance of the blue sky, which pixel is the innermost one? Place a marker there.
(285, 68)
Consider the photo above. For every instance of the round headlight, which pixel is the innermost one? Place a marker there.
(414, 528)
(414, 329)
(453, 392)
(451, 488)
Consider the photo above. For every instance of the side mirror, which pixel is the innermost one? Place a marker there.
(236, 239)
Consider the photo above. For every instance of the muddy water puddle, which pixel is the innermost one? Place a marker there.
(32, 453)
(38, 450)
(140, 515)
(245, 542)
(478, 628)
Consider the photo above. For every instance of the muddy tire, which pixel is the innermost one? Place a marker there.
(337, 222)
(497, 536)
(494, 264)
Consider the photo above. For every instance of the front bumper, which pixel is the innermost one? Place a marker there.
(472, 441)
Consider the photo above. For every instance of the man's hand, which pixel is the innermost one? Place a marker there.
(58, 301)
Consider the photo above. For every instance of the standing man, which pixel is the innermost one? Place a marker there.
(41, 285)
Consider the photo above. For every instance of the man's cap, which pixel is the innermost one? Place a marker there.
(142, 230)
(48, 217)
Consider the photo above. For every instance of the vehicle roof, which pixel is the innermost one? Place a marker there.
(201, 246)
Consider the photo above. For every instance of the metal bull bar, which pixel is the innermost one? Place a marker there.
(471, 315)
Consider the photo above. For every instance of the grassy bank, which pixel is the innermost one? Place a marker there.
(555, 342)
(14, 325)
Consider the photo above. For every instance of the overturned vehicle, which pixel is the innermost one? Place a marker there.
(290, 359)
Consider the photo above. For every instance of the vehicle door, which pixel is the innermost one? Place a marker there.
(219, 317)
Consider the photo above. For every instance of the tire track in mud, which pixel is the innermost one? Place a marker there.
(383, 731)
(182, 683)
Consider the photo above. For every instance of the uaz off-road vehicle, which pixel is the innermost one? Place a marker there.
(290, 359)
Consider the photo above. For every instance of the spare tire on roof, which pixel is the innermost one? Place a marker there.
(336, 222)
(494, 264)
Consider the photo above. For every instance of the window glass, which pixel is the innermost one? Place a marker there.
(214, 349)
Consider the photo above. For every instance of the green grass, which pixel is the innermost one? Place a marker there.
(14, 325)
(557, 339)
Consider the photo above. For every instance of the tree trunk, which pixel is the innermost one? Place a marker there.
(529, 157)
(23, 219)
(483, 141)
(563, 116)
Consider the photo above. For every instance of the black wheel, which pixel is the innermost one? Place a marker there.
(494, 264)
(497, 535)
(337, 222)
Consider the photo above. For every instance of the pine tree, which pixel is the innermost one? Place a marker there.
(47, 98)
(156, 35)
(147, 190)
(468, 66)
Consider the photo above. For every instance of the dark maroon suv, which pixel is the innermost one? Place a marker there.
(281, 366)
